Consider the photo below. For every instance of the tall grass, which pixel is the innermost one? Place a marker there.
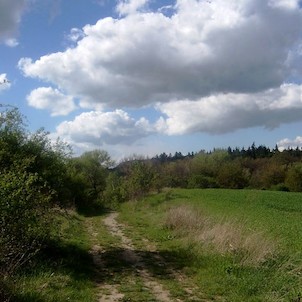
(225, 237)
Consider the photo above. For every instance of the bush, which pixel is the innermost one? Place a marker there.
(32, 179)
(25, 217)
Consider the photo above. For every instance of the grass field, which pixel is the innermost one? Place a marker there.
(235, 245)
(197, 245)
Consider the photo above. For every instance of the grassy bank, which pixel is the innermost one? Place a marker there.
(234, 245)
(62, 271)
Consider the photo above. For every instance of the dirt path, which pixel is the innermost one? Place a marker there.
(137, 265)
(130, 255)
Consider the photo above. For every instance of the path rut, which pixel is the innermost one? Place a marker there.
(136, 260)
(130, 255)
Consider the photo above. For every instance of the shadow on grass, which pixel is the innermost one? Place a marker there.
(78, 264)
(60, 259)
(117, 263)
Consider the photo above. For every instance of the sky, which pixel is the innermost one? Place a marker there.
(146, 76)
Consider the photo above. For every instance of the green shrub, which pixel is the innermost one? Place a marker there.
(25, 218)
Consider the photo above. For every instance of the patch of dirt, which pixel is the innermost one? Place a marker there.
(108, 292)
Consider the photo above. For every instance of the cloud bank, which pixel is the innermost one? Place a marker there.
(207, 66)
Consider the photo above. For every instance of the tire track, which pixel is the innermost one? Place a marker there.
(133, 257)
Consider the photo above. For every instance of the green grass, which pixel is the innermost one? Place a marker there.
(62, 271)
(222, 276)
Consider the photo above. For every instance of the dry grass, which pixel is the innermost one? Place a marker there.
(224, 237)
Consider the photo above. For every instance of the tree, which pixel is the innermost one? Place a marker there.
(139, 179)
(232, 175)
(90, 171)
(293, 180)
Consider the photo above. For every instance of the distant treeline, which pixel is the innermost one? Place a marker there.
(255, 167)
(252, 151)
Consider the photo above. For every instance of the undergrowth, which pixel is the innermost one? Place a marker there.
(61, 271)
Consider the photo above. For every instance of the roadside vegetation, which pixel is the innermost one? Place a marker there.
(180, 215)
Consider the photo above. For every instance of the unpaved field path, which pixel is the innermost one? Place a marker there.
(139, 267)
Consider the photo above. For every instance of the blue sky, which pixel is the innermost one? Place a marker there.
(145, 77)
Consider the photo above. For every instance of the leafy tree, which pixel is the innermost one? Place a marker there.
(115, 192)
(140, 179)
(293, 178)
(90, 171)
(232, 175)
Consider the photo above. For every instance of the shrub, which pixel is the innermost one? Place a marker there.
(25, 215)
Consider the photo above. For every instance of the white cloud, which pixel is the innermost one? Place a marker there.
(215, 114)
(289, 4)
(75, 35)
(11, 42)
(52, 100)
(96, 128)
(204, 48)
(127, 7)
(10, 15)
(290, 143)
(228, 112)
(4, 82)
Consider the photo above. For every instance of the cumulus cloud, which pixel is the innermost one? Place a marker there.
(97, 128)
(290, 143)
(228, 112)
(52, 100)
(202, 48)
(10, 15)
(214, 114)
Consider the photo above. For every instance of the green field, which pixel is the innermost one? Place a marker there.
(224, 245)
(262, 229)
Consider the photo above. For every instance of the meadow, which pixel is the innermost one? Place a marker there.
(235, 245)
(191, 244)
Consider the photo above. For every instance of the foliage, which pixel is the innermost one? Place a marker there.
(25, 219)
(32, 174)
(115, 192)
(254, 167)
(294, 178)
(232, 175)
(87, 177)
(139, 180)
